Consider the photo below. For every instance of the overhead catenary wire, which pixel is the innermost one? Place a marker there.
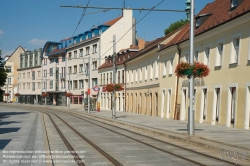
(133, 26)
(83, 13)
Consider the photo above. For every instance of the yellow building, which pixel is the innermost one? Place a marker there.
(12, 64)
(221, 41)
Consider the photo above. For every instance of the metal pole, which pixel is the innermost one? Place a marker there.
(191, 78)
(89, 86)
(7, 90)
(45, 101)
(69, 92)
(114, 77)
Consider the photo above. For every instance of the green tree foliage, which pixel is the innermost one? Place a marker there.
(175, 25)
(3, 72)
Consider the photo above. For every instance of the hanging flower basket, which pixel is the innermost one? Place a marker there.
(17, 94)
(68, 94)
(118, 87)
(184, 69)
(6, 94)
(114, 87)
(201, 70)
(110, 88)
(45, 94)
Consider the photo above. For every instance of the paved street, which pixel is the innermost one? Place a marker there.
(27, 128)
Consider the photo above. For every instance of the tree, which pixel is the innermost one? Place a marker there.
(3, 72)
(175, 25)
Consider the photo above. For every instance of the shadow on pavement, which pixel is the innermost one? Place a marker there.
(3, 143)
(8, 130)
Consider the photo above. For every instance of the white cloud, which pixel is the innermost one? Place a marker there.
(1, 32)
(37, 42)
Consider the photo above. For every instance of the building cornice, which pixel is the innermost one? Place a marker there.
(27, 68)
(144, 87)
(82, 42)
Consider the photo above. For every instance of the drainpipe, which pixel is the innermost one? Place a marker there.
(177, 83)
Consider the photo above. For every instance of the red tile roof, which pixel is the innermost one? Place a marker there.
(220, 13)
(112, 22)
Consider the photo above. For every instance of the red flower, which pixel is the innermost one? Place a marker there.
(17, 94)
(6, 94)
(45, 94)
(114, 87)
(69, 94)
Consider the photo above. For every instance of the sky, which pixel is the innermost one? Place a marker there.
(30, 23)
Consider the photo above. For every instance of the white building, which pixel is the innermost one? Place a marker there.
(29, 77)
(88, 51)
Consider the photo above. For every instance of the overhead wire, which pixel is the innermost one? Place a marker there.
(83, 14)
(133, 26)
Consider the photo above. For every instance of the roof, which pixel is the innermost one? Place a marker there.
(220, 14)
(112, 22)
(56, 51)
(15, 51)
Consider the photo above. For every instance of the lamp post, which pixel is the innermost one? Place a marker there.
(191, 78)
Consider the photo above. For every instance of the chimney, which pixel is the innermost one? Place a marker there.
(141, 44)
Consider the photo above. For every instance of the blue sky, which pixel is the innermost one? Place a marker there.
(30, 23)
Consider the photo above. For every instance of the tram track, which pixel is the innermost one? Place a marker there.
(127, 134)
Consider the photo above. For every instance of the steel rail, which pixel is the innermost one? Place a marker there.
(176, 155)
(71, 149)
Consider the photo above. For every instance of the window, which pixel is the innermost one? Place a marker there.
(36, 58)
(196, 56)
(80, 68)
(51, 71)
(38, 73)
(33, 75)
(140, 73)
(94, 65)
(75, 54)
(8, 80)
(86, 65)
(136, 75)
(186, 58)
(75, 84)
(127, 76)
(164, 72)
(197, 23)
(70, 70)
(23, 75)
(81, 84)
(234, 4)
(94, 48)
(94, 82)
(23, 85)
(26, 60)
(81, 52)
(151, 70)
(146, 72)
(33, 86)
(70, 56)
(63, 58)
(122, 76)
(45, 61)
(118, 77)
(75, 69)
(28, 75)
(8, 68)
(156, 69)
(87, 50)
(207, 55)
(235, 50)
(110, 76)
(219, 55)
(28, 85)
(44, 85)
(44, 73)
(38, 85)
(103, 79)
(31, 60)
(132, 76)
(21, 61)
(19, 76)
(170, 69)
(51, 84)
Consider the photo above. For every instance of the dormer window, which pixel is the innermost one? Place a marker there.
(198, 23)
(234, 3)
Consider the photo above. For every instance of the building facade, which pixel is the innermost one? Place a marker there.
(88, 52)
(30, 77)
(12, 64)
